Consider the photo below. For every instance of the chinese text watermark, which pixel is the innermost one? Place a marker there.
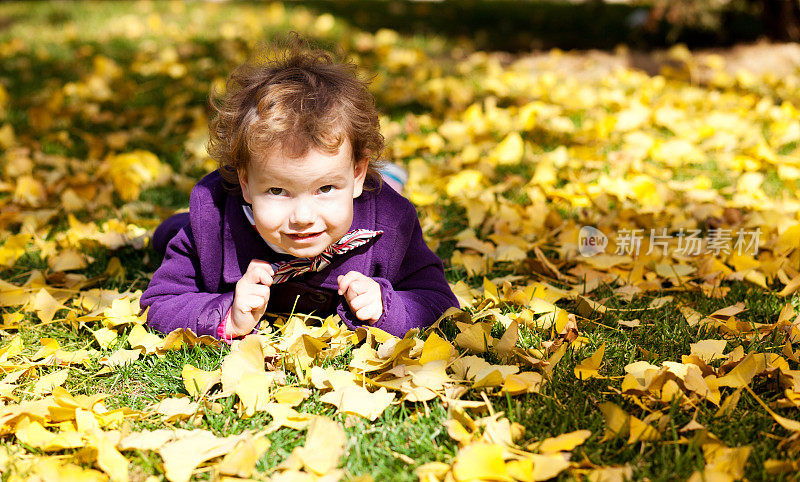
(687, 242)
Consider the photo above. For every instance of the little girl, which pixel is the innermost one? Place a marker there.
(296, 218)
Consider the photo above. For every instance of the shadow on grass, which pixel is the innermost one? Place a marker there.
(525, 25)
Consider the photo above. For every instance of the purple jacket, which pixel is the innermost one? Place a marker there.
(194, 286)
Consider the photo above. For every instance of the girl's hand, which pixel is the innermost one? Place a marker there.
(363, 294)
(250, 298)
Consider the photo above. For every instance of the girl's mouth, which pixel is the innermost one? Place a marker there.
(304, 236)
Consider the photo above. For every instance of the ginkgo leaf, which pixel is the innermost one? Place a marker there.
(283, 415)
(546, 467)
(13, 248)
(241, 461)
(564, 442)
(108, 458)
(67, 260)
(246, 358)
(709, 350)
(331, 378)
(196, 381)
(121, 358)
(476, 337)
(146, 439)
(508, 340)
(480, 461)
(47, 383)
(743, 373)
(589, 367)
(431, 375)
(123, 311)
(325, 445)
(357, 400)
(139, 338)
(436, 348)
(49, 347)
(105, 337)
(176, 408)
(291, 396)
(182, 456)
(34, 434)
(611, 474)
(509, 151)
(524, 382)
(45, 305)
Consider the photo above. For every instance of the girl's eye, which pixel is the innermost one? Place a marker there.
(275, 191)
(326, 189)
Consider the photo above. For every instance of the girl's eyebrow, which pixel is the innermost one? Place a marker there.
(326, 178)
(334, 178)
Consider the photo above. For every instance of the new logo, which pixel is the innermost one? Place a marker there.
(591, 241)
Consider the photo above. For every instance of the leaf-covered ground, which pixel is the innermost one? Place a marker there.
(624, 247)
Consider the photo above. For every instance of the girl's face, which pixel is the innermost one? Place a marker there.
(305, 204)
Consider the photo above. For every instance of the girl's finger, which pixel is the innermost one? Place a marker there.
(259, 290)
(347, 280)
(369, 313)
(360, 301)
(259, 272)
(251, 302)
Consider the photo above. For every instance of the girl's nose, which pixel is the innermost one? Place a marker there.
(302, 214)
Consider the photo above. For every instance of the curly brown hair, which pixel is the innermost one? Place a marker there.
(293, 97)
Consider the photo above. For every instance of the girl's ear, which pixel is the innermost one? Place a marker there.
(360, 175)
(242, 173)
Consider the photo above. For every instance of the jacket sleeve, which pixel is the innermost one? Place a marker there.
(414, 294)
(176, 296)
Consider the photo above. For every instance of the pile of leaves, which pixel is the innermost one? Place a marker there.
(624, 248)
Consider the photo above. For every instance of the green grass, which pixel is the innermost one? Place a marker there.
(158, 112)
